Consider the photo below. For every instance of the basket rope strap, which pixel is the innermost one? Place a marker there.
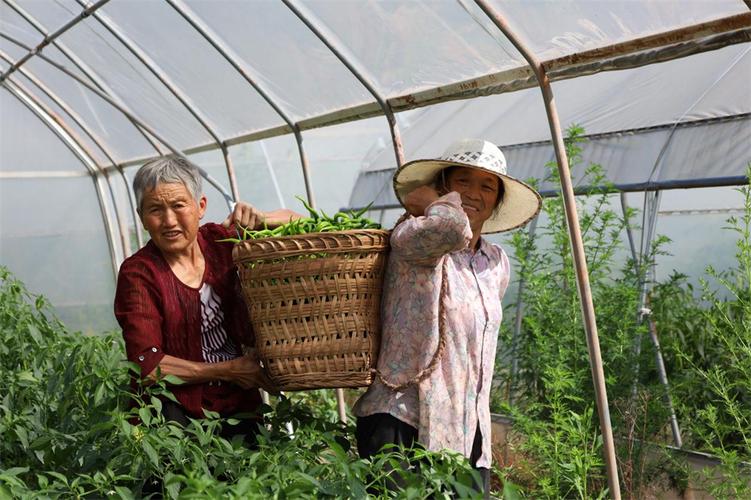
(425, 372)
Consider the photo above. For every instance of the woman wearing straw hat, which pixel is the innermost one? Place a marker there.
(442, 304)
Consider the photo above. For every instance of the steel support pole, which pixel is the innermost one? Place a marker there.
(171, 87)
(305, 170)
(50, 38)
(577, 248)
(210, 179)
(645, 313)
(649, 217)
(230, 172)
(663, 377)
(81, 155)
(306, 16)
(90, 134)
(629, 232)
(82, 67)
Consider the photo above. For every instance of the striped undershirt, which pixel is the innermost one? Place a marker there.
(216, 345)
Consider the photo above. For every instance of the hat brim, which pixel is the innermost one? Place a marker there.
(521, 203)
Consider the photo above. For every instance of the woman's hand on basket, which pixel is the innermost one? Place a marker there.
(245, 215)
(249, 217)
(248, 373)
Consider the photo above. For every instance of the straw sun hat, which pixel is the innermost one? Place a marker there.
(520, 202)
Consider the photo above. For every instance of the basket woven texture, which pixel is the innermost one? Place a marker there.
(314, 303)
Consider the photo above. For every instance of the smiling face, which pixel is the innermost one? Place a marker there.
(172, 217)
(479, 191)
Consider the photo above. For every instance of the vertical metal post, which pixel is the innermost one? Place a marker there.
(133, 208)
(305, 169)
(230, 172)
(663, 376)
(518, 322)
(577, 248)
(629, 232)
(645, 313)
(649, 211)
(396, 136)
(272, 174)
(585, 294)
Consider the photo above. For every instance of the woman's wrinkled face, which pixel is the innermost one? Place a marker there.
(172, 216)
(479, 192)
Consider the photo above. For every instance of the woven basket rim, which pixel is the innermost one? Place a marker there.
(241, 252)
(319, 234)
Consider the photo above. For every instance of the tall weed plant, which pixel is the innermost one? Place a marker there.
(708, 347)
(552, 329)
(552, 392)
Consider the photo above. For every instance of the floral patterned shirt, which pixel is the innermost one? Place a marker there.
(447, 406)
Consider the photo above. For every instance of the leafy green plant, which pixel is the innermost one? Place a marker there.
(67, 431)
(552, 388)
(552, 331)
(710, 343)
(563, 445)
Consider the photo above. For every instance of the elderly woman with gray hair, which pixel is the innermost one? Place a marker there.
(178, 300)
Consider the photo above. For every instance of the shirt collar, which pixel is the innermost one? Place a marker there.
(483, 251)
(484, 247)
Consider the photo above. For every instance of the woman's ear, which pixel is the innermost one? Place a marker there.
(202, 203)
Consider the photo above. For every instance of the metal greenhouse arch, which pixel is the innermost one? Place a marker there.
(181, 77)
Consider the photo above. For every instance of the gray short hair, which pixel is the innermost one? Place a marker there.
(167, 169)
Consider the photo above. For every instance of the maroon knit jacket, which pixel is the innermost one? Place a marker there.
(161, 315)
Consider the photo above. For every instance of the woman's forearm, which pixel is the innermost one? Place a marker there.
(244, 371)
(443, 229)
(190, 372)
(274, 218)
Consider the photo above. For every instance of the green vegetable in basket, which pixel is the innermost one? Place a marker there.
(317, 222)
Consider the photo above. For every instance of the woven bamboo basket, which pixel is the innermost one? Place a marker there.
(314, 303)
